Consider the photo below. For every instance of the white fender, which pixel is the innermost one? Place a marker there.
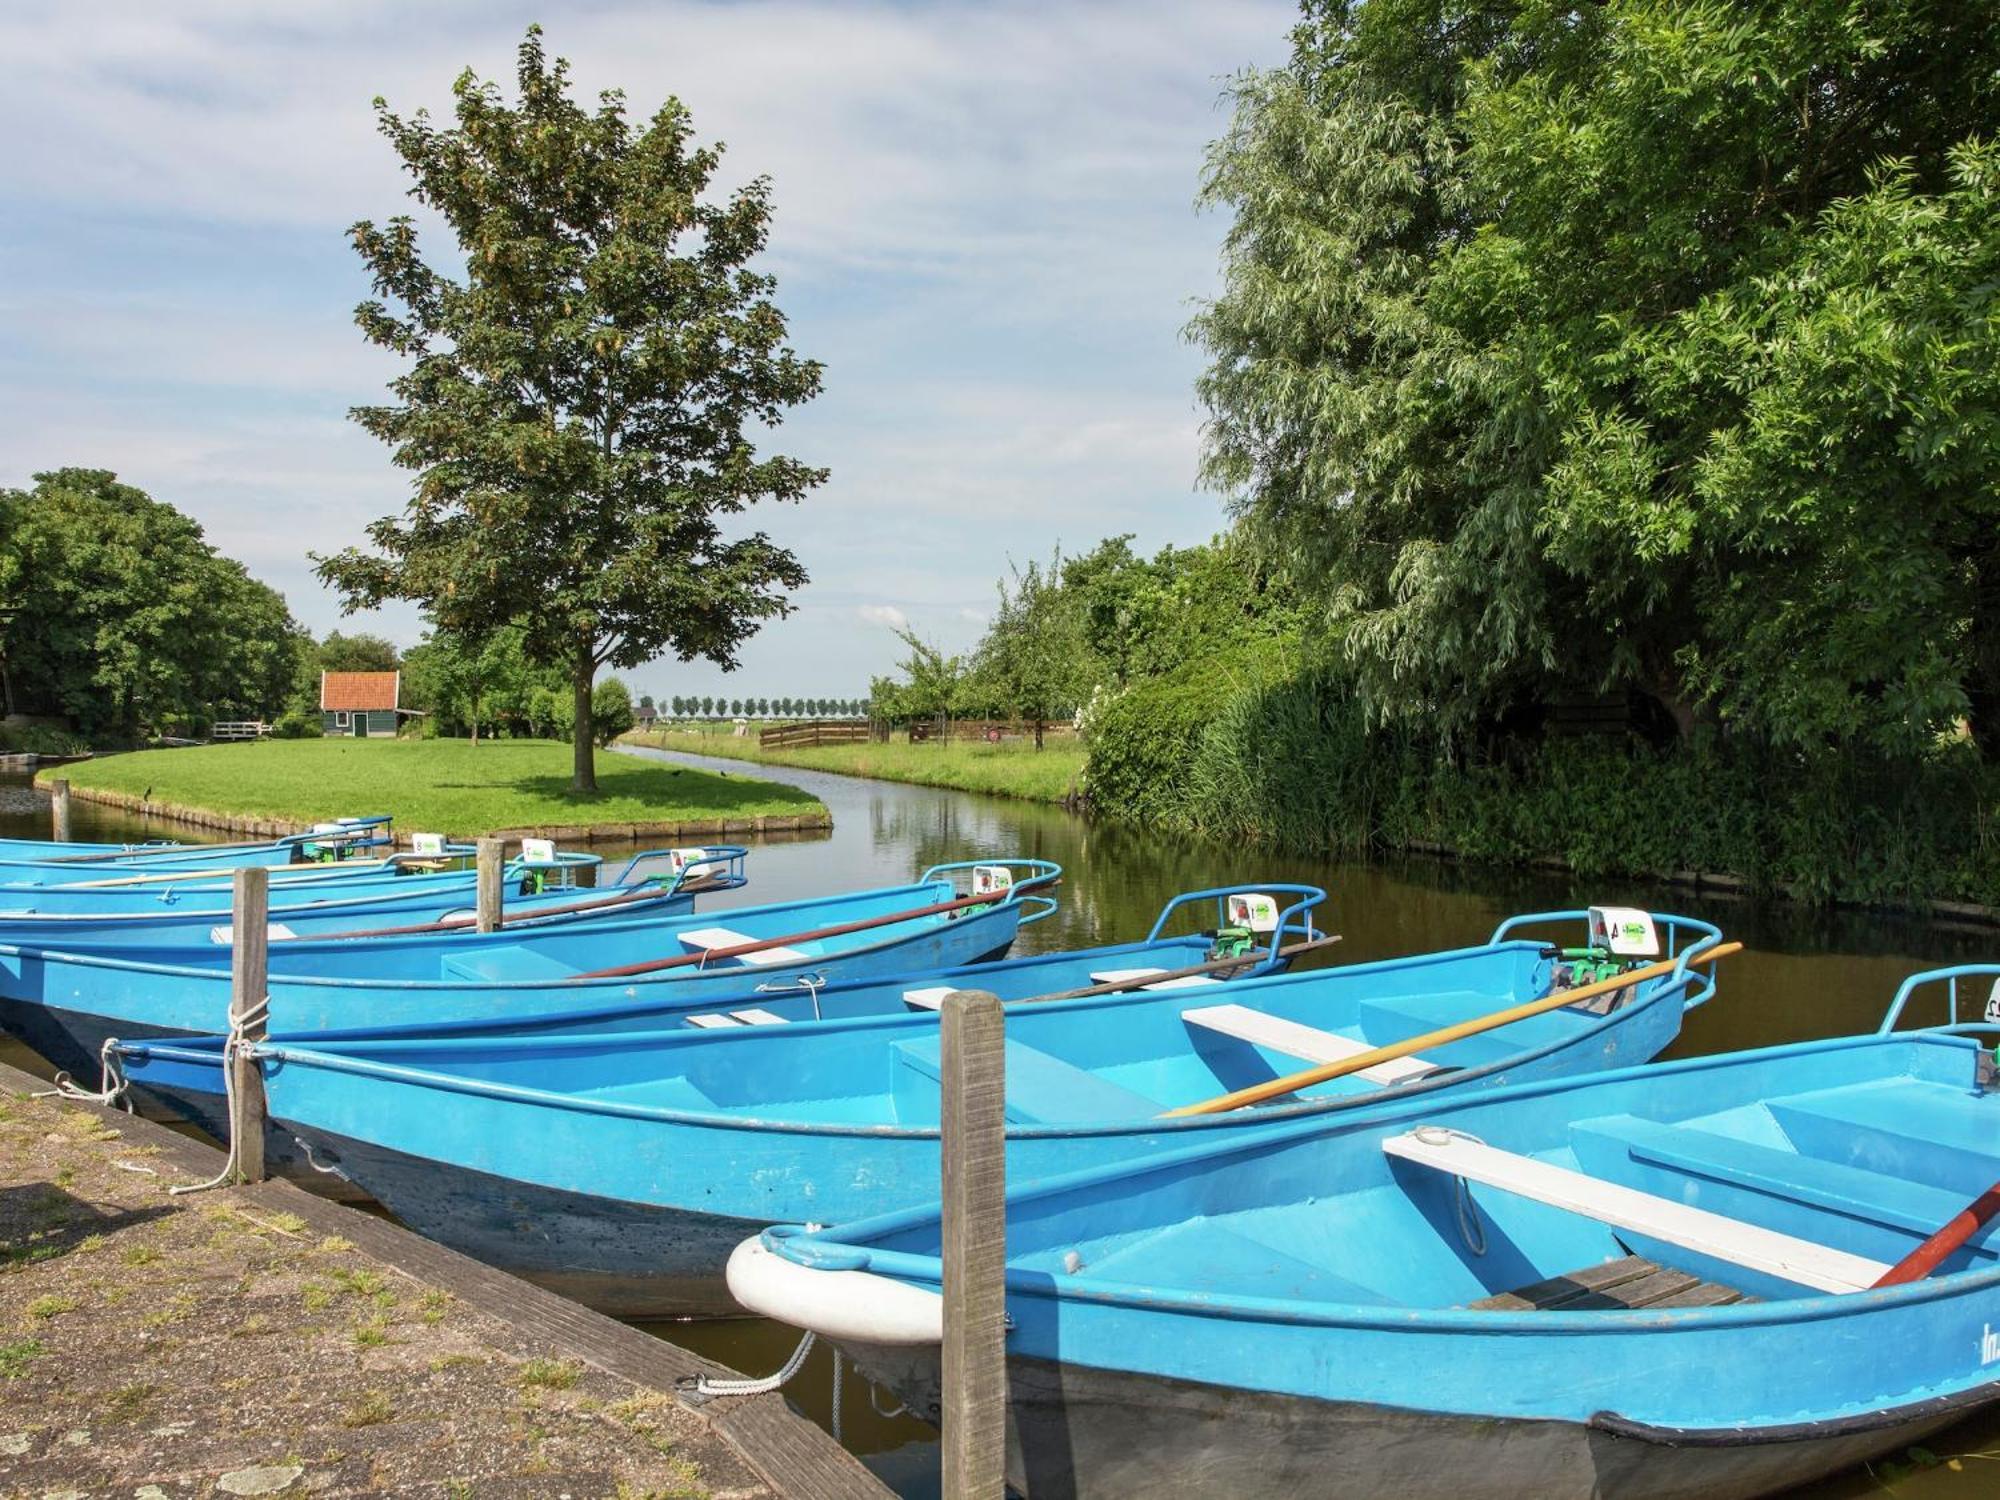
(857, 1305)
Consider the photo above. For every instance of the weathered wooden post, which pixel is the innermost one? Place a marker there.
(59, 808)
(492, 864)
(973, 1141)
(249, 991)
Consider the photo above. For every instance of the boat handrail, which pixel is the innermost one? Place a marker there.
(1037, 907)
(1676, 929)
(1949, 976)
(1038, 872)
(1296, 917)
(731, 856)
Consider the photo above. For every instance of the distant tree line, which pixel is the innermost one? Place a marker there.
(709, 706)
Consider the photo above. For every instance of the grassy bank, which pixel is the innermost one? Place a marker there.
(445, 786)
(1010, 769)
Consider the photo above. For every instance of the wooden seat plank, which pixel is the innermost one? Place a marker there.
(1716, 1235)
(1295, 1039)
(709, 939)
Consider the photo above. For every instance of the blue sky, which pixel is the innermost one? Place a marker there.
(985, 229)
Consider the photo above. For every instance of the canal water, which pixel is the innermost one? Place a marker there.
(1806, 973)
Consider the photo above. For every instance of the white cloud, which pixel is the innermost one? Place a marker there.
(984, 228)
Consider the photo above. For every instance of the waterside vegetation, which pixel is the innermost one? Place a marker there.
(1605, 401)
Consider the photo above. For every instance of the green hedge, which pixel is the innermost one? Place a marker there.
(1293, 763)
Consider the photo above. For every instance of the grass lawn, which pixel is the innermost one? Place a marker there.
(439, 786)
(1010, 769)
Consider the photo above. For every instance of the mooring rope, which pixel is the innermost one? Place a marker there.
(699, 1388)
(1470, 1227)
(231, 1046)
(112, 1091)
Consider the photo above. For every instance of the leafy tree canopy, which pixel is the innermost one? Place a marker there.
(117, 614)
(1639, 344)
(357, 653)
(580, 408)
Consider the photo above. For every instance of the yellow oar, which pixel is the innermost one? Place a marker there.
(1292, 1083)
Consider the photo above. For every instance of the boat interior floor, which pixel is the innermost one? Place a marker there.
(1632, 1282)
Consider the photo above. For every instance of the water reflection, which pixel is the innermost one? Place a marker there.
(1806, 973)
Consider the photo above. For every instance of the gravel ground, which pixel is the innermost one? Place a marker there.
(154, 1347)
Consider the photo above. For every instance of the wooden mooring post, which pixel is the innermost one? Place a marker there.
(59, 809)
(249, 994)
(973, 1143)
(492, 865)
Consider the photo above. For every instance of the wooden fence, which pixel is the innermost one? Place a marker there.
(820, 732)
(991, 730)
(241, 729)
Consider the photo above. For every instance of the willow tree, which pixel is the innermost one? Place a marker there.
(1644, 345)
(579, 407)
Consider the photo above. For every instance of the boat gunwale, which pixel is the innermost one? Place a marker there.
(105, 959)
(1305, 1111)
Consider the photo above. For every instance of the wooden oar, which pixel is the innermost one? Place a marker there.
(1933, 1252)
(1140, 981)
(654, 965)
(1291, 1083)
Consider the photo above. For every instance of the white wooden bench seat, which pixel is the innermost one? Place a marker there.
(1716, 1235)
(755, 1016)
(708, 939)
(1123, 976)
(1297, 1040)
(928, 999)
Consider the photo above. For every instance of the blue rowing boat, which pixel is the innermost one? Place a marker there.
(405, 874)
(163, 918)
(66, 1005)
(1658, 1282)
(336, 841)
(636, 1161)
(184, 1078)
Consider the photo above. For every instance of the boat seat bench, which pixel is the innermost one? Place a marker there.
(1716, 1236)
(514, 961)
(1041, 1087)
(1912, 1208)
(1124, 976)
(1293, 1039)
(707, 939)
(755, 1016)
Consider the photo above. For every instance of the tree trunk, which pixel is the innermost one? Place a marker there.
(1038, 731)
(584, 781)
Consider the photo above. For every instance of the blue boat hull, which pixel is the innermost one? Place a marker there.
(1325, 1307)
(1085, 1432)
(450, 1157)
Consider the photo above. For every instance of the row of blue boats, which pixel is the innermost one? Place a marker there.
(1435, 1224)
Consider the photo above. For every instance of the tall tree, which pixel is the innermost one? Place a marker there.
(1559, 342)
(578, 409)
(1032, 653)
